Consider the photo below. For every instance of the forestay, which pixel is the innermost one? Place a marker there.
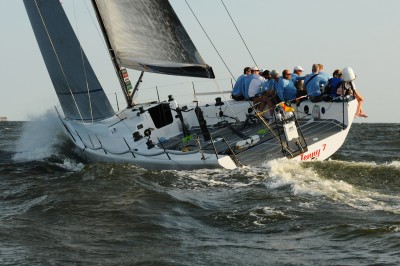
(147, 35)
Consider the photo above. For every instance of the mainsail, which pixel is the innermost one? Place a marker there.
(78, 89)
(147, 35)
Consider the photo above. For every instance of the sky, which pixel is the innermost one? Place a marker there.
(362, 34)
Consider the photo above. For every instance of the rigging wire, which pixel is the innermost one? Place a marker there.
(96, 25)
(83, 64)
(215, 48)
(59, 62)
(244, 42)
(217, 53)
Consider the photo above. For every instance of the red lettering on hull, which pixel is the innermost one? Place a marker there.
(312, 155)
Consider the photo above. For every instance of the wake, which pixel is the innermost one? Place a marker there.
(355, 184)
(313, 181)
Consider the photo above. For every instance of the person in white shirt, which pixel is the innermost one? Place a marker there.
(255, 83)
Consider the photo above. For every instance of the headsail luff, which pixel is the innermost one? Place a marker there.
(78, 89)
(147, 35)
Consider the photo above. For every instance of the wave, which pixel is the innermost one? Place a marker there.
(44, 140)
(363, 186)
(39, 139)
(358, 185)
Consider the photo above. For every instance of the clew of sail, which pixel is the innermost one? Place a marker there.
(147, 35)
(78, 89)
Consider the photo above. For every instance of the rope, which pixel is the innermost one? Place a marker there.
(59, 62)
(222, 1)
(215, 48)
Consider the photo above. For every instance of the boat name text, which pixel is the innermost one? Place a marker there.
(312, 155)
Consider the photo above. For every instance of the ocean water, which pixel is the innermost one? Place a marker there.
(55, 209)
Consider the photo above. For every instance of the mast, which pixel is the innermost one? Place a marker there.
(121, 72)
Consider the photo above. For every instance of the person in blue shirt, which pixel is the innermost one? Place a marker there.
(313, 82)
(325, 76)
(285, 89)
(269, 96)
(267, 76)
(273, 82)
(297, 74)
(298, 81)
(238, 88)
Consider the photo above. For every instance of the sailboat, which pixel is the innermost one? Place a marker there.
(147, 36)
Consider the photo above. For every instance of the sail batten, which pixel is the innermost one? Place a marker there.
(147, 35)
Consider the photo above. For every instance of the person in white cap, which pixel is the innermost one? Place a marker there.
(298, 81)
(253, 84)
(297, 74)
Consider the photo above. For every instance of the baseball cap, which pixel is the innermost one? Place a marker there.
(298, 68)
(274, 73)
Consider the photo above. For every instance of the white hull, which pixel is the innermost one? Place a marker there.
(111, 140)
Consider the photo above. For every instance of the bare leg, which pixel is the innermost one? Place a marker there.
(360, 111)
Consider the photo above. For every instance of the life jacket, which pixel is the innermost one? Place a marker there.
(332, 86)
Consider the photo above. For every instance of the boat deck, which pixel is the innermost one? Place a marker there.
(270, 141)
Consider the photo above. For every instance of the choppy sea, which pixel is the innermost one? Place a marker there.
(55, 209)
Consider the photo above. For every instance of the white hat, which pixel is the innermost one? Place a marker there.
(298, 68)
(255, 68)
(262, 70)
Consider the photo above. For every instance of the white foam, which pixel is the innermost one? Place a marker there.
(395, 164)
(39, 138)
(272, 211)
(290, 174)
(215, 177)
(305, 181)
(73, 166)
